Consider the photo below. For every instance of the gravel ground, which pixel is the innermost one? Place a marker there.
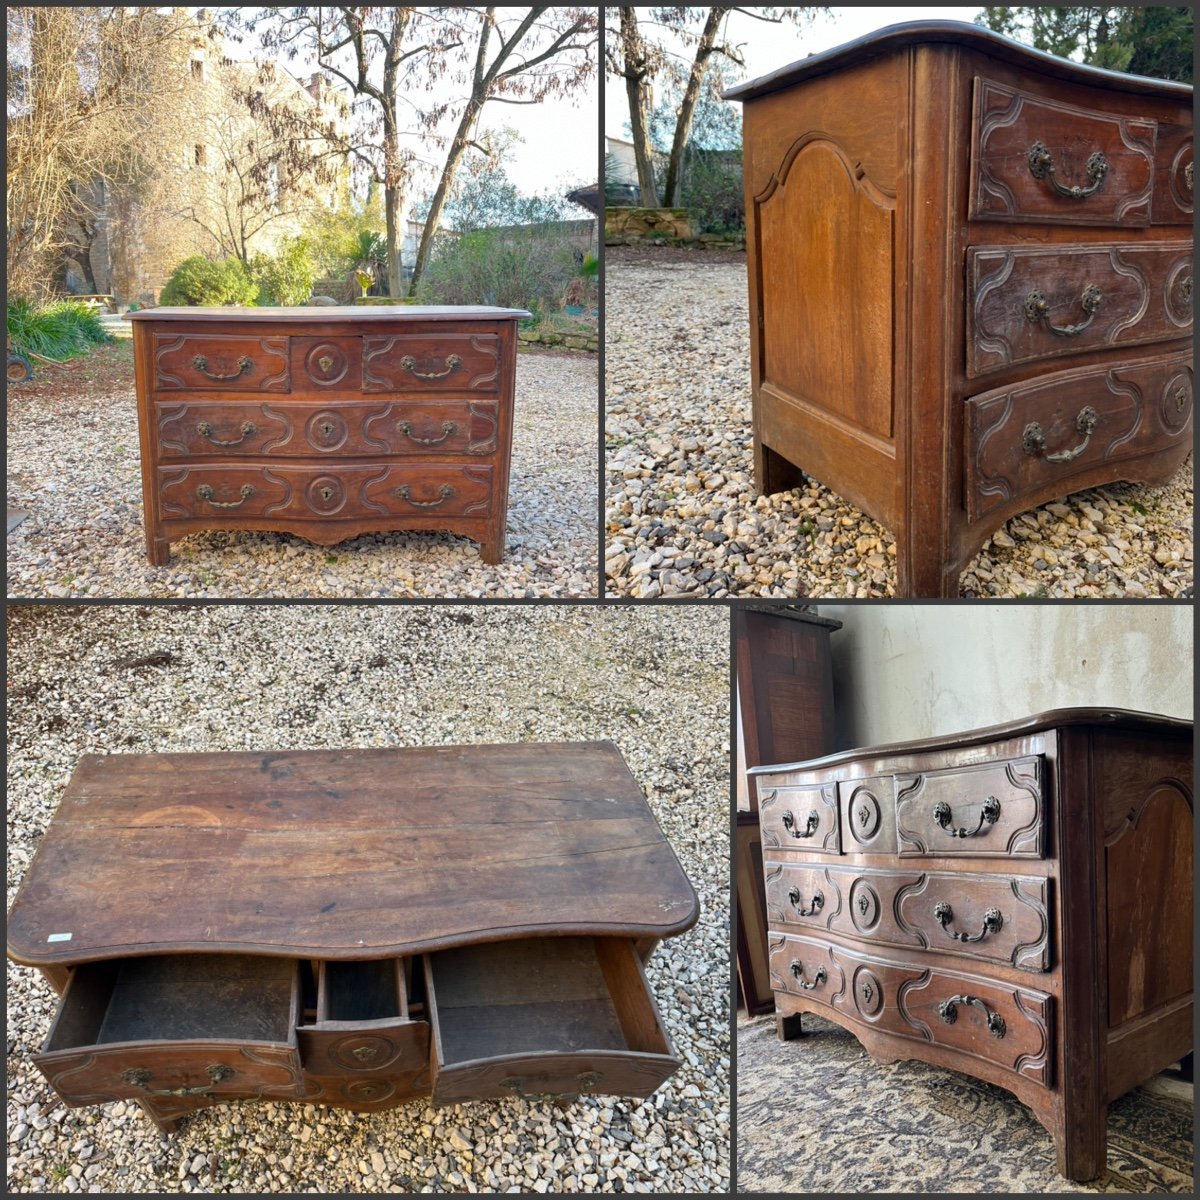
(73, 462)
(655, 680)
(682, 516)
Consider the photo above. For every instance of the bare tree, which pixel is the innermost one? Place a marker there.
(375, 52)
(548, 52)
(84, 85)
(639, 59)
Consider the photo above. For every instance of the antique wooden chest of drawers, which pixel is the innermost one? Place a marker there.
(1015, 903)
(355, 928)
(970, 282)
(325, 422)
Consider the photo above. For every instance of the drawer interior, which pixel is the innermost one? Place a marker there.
(178, 997)
(368, 990)
(560, 994)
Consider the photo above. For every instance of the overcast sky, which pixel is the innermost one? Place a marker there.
(768, 46)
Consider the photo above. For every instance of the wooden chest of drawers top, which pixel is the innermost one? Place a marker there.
(347, 854)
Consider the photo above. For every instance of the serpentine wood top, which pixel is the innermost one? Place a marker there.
(346, 854)
(1115, 718)
(959, 33)
(354, 314)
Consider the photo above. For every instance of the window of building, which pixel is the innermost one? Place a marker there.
(198, 70)
(201, 153)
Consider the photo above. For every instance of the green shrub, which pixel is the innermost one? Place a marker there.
(203, 281)
(58, 330)
(713, 193)
(528, 269)
(286, 277)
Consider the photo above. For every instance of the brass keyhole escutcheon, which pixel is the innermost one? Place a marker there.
(327, 493)
(325, 362)
(365, 1053)
(326, 428)
(1180, 398)
(867, 992)
(863, 903)
(864, 815)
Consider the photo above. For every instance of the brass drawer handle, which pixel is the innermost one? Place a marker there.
(201, 365)
(1037, 308)
(810, 826)
(1033, 440)
(989, 814)
(204, 429)
(948, 1011)
(1041, 166)
(410, 365)
(448, 429)
(444, 494)
(139, 1078)
(818, 902)
(797, 969)
(517, 1083)
(205, 492)
(993, 922)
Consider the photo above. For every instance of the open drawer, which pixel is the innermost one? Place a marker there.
(544, 1016)
(175, 1026)
(363, 1023)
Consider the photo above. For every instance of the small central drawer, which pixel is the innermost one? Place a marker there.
(992, 809)
(176, 1026)
(363, 1024)
(556, 1016)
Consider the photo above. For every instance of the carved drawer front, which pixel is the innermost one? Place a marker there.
(327, 364)
(363, 1025)
(1010, 1026)
(799, 818)
(1030, 436)
(422, 490)
(996, 918)
(235, 429)
(800, 896)
(1040, 160)
(1173, 174)
(994, 809)
(176, 1029)
(805, 967)
(868, 815)
(437, 362)
(197, 361)
(240, 493)
(559, 1016)
(1027, 303)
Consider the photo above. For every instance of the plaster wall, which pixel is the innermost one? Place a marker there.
(903, 671)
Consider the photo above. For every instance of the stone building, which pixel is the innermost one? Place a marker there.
(196, 192)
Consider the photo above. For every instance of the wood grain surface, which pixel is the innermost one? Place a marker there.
(347, 854)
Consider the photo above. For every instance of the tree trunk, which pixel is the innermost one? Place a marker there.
(687, 109)
(457, 148)
(394, 182)
(635, 90)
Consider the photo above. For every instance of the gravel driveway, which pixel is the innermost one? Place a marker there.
(682, 516)
(73, 463)
(653, 679)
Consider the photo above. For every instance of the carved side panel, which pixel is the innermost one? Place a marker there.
(1029, 151)
(986, 810)
(1026, 303)
(826, 257)
(1150, 903)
